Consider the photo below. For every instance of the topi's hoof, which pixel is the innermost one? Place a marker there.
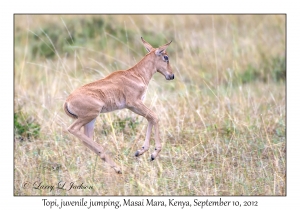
(136, 154)
(117, 170)
(152, 158)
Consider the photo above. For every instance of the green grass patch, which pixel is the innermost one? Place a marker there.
(25, 126)
(273, 69)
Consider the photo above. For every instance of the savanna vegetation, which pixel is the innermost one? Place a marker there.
(222, 120)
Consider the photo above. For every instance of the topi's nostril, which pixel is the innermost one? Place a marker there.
(170, 77)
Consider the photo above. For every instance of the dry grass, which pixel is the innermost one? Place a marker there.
(222, 119)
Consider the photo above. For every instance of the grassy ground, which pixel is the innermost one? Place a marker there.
(222, 119)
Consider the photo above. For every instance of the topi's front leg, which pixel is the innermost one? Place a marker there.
(157, 141)
(146, 144)
(144, 111)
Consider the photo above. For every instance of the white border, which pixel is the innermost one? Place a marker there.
(154, 6)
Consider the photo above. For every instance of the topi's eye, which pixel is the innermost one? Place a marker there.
(166, 58)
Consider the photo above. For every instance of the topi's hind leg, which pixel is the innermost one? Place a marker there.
(89, 129)
(98, 149)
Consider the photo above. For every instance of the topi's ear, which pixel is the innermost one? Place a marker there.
(162, 49)
(147, 45)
